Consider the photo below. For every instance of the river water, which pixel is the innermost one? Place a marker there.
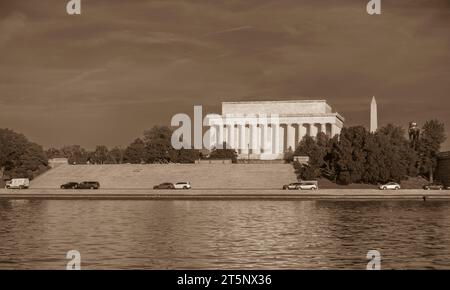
(37, 234)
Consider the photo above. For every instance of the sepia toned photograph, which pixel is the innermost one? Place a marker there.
(226, 135)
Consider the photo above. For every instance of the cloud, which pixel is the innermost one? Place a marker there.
(10, 26)
(229, 30)
(144, 60)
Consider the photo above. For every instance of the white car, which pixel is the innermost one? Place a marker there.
(291, 186)
(302, 185)
(390, 186)
(18, 183)
(182, 185)
(308, 185)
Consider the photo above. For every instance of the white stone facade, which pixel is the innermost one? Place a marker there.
(268, 129)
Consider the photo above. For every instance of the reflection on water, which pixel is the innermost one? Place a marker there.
(224, 234)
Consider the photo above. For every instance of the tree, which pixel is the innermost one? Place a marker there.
(158, 145)
(429, 144)
(116, 155)
(288, 155)
(305, 171)
(315, 149)
(357, 137)
(343, 161)
(218, 153)
(20, 157)
(400, 159)
(348, 155)
(374, 160)
(100, 155)
(358, 156)
(187, 155)
(75, 154)
(135, 153)
(53, 153)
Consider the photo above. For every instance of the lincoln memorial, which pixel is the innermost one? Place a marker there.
(267, 129)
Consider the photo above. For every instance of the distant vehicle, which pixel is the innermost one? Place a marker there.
(302, 185)
(165, 185)
(70, 185)
(291, 186)
(88, 185)
(434, 186)
(182, 185)
(309, 185)
(390, 186)
(18, 183)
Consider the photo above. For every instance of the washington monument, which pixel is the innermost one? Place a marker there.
(373, 116)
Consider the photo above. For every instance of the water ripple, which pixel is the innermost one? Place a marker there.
(224, 234)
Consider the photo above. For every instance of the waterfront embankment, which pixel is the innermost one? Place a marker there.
(226, 194)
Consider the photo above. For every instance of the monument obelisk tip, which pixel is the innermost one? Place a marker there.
(373, 115)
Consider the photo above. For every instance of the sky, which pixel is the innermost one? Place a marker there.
(121, 67)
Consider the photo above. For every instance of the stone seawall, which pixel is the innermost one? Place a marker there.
(226, 194)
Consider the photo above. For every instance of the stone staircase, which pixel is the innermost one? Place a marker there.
(201, 176)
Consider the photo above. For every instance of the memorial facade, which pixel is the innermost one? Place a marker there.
(268, 129)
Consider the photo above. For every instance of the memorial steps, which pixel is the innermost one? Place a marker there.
(201, 176)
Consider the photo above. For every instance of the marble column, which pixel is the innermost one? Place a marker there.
(275, 138)
(254, 138)
(263, 137)
(236, 139)
(335, 130)
(313, 130)
(225, 135)
(212, 137)
(220, 136)
(242, 139)
(282, 137)
(322, 128)
(301, 132)
(258, 138)
(290, 130)
(230, 139)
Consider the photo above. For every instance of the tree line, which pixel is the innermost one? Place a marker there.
(354, 156)
(153, 147)
(358, 156)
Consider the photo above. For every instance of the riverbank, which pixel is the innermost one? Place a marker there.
(225, 194)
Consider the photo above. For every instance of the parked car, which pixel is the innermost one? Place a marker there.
(309, 185)
(18, 183)
(165, 185)
(88, 185)
(182, 185)
(70, 185)
(390, 186)
(291, 186)
(434, 186)
(302, 185)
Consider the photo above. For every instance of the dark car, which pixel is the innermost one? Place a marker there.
(88, 185)
(70, 185)
(433, 186)
(165, 185)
